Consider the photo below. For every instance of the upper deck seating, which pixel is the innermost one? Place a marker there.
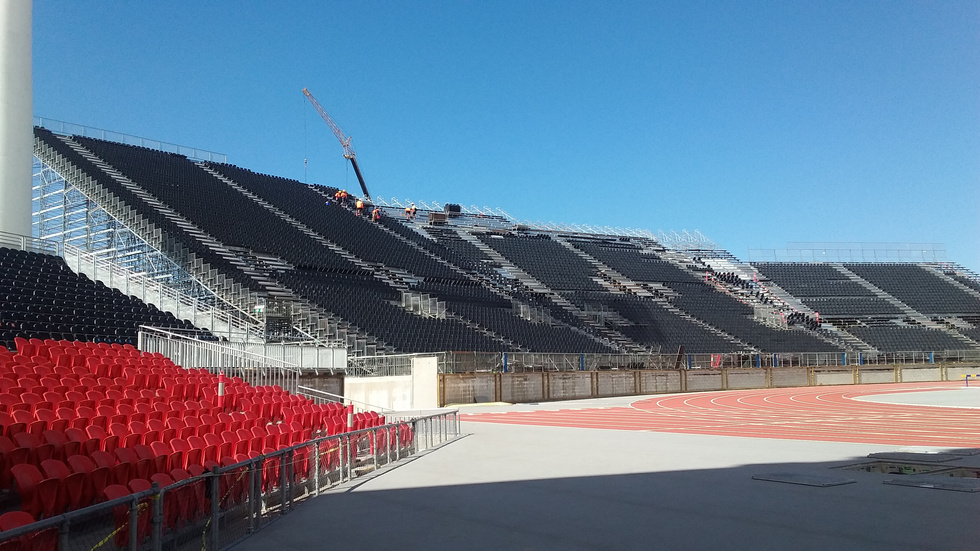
(921, 289)
(827, 290)
(735, 318)
(215, 207)
(546, 261)
(354, 233)
(633, 263)
(179, 236)
(906, 339)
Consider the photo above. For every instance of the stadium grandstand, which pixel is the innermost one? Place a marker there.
(287, 262)
(188, 346)
(145, 264)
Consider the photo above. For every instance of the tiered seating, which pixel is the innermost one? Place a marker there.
(735, 318)
(924, 291)
(215, 207)
(894, 338)
(630, 261)
(369, 303)
(338, 224)
(655, 326)
(969, 282)
(41, 297)
(827, 290)
(84, 421)
(546, 261)
(180, 237)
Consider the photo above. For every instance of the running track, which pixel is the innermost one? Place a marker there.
(827, 414)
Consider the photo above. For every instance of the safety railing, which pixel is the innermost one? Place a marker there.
(62, 127)
(30, 244)
(166, 298)
(219, 508)
(190, 352)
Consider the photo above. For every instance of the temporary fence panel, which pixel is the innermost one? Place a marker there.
(921, 374)
(570, 385)
(746, 378)
(703, 379)
(659, 381)
(877, 375)
(833, 376)
(615, 383)
(468, 388)
(789, 377)
(522, 387)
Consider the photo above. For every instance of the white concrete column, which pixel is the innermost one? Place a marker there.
(16, 116)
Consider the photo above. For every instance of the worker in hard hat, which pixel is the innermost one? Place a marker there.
(412, 213)
(359, 206)
(376, 214)
(408, 213)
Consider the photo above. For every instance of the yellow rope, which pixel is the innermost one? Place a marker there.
(139, 509)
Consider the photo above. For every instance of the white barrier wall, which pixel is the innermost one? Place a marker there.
(425, 382)
(418, 391)
(393, 393)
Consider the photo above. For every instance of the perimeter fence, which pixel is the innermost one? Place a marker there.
(529, 386)
(524, 362)
(221, 507)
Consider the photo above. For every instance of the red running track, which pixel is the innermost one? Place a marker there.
(828, 414)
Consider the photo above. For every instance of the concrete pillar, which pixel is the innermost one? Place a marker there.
(16, 116)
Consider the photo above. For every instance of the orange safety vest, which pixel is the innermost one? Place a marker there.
(360, 204)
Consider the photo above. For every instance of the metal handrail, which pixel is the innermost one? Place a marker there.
(307, 391)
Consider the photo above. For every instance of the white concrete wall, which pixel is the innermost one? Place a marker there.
(419, 391)
(425, 382)
(16, 117)
(393, 393)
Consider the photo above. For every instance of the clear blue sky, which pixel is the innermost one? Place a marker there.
(758, 123)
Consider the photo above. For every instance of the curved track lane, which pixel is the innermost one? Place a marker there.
(828, 414)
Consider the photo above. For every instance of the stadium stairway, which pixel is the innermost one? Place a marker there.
(633, 287)
(608, 336)
(918, 317)
(228, 289)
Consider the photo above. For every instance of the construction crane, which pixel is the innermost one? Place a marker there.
(344, 140)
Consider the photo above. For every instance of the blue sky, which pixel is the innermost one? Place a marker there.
(757, 123)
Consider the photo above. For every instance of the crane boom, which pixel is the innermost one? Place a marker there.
(344, 140)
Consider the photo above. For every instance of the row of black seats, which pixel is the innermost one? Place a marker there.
(735, 318)
(214, 206)
(630, 261)
(95, 312)
(906, 339)
(545, 260)
(178, 239)
(922, 290)
(335, 222)
(652, 325)
(812, 280)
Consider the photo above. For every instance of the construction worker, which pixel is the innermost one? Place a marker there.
(408, 213)
(376, 214)
(359, 206)
(412, 217)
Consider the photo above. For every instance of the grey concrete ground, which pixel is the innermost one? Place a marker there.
(522, 487)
